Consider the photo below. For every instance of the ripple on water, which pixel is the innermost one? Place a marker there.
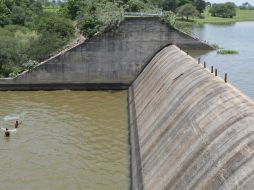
(68, 140)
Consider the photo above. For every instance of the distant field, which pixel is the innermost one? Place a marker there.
(241, 15)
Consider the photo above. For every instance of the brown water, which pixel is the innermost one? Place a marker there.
(68, 140)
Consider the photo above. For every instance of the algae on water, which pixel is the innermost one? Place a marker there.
(226, 52)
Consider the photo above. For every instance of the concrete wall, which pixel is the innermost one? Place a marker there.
(108, 60)
(189, 129)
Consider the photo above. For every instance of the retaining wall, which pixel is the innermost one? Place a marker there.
(189, 129)
(110, 60)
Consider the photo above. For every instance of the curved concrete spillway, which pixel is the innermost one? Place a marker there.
(189, 129)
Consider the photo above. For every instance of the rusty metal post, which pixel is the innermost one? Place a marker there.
(216, 72)
(226, 78)
(212, 69)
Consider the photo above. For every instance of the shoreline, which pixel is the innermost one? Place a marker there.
(241, 16)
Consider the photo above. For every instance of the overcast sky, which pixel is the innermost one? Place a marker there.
(237, 2)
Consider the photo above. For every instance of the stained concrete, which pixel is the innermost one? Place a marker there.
(111, 60)
(189, 129)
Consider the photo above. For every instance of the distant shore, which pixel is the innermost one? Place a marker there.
(241, 16)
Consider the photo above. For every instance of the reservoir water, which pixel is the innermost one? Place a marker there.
(240, 67)
(68, 140)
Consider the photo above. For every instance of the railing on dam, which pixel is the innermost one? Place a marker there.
(142, 14)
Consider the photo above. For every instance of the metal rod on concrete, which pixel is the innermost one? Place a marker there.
(226, 78)
(204, 64)
(215, 72)
(212, 69)
(198, 60)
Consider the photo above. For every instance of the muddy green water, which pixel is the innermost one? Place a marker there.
(68, 140)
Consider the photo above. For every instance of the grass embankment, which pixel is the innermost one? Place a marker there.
(241, 15)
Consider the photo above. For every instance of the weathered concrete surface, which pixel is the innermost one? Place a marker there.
(109, 60)
(189, 129)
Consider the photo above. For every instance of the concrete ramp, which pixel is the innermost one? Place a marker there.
(189, 129)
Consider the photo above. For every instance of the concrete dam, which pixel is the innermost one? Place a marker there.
(110, 60)
(188, 129)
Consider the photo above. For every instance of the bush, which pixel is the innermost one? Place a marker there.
(45, 45)
(11, 54)
(110, 15)
(29, 64)
(169, 17)
(225, 10)
(90, 25)
(28, 34)
(136, 6)
(18, 15)
(11, 70)
(187, 10)
(52, 23)
(100, 17)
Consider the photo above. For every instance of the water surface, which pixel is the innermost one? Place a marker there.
(239, 37)
(68, 140)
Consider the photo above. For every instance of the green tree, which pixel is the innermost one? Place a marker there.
(245, 6)
(136, 6)
(4, 14)
(74, 7)
(187, 10)
(52, 23)
(43, 47)
(36, 7)
(11, 54)
(170, 5)
(110, 15)
(97, 15)
(200, 5)
(225, 10)
(90, 25)
(18, 15)
(183, 2)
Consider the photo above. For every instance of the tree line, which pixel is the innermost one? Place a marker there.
(29, 35)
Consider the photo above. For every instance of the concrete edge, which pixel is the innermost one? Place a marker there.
(136, 177)
(148, 60)
(64, 86)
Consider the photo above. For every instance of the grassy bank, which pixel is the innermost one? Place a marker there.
(241, 15)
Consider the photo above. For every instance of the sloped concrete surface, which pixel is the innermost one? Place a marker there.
(189, 129)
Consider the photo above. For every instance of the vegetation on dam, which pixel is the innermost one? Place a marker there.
(29, 35)
(33, 30)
